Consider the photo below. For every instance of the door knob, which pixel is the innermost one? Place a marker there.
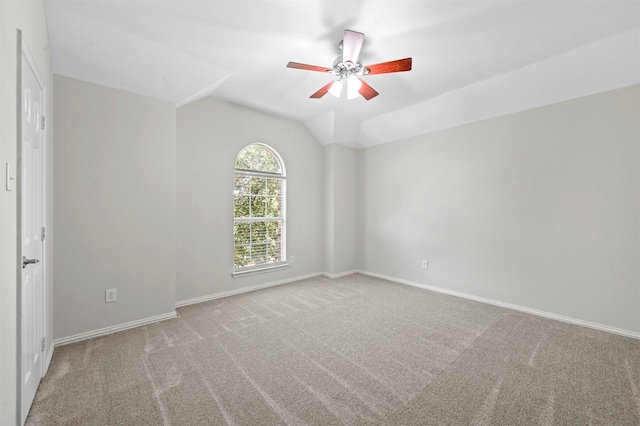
(26, 261)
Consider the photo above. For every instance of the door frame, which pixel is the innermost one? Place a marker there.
(23, 51)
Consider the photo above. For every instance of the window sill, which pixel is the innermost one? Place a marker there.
(259, 270)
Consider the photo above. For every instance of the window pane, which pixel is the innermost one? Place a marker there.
(273, 250)
(273, 207)
(259, 254)
(257, 206)
(242, 185)
(258, 232)
(274, 186)
(241, 256)
(241, 206)
(267, 161)
(242, 160)
(257, 158)
(258, 185)
(273, 230)
(242, 233)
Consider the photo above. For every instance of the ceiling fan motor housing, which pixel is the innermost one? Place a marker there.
(343, 70)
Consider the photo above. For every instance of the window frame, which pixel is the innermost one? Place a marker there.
(282, 219)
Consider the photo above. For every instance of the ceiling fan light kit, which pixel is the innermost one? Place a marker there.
(349, 70)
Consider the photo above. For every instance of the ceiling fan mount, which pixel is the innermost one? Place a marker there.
(348, 69)
(345, 69)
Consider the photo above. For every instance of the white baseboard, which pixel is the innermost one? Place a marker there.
(113, 329)
(243, 290)
(339, 274)
(596, 326)
(150, 320)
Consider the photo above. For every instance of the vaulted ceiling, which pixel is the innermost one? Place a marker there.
(472, 60)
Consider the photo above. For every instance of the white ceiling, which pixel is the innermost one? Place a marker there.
(472, 60)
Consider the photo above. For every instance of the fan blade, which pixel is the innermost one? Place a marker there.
(300, 66)
(391, 66)
(320, 93)
(367, 91)
(351, 45)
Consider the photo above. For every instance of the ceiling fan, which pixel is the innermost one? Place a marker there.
(348, 69)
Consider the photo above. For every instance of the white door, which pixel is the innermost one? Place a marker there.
(32, 308)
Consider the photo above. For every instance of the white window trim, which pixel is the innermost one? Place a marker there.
(261, 269)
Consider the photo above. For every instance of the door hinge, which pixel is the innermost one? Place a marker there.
(42, 233)
(44, 122)
(44, 344)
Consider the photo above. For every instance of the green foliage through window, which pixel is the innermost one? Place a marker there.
(258, 158)
(259, 225)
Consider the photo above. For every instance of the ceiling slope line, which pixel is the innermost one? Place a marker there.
(604, 65)
(207, 91)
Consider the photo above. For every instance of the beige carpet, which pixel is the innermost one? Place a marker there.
(355, 350)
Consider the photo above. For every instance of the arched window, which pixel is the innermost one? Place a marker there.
(259, 226)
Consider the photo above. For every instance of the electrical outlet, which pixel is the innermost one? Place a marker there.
(110, 295)
(425, 264)
(292, 259)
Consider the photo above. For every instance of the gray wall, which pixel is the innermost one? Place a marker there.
(345, 210)
(340, 221)
(28, 16)
(210, 133)
(328, 152)
(539, 209)
(115, 206)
